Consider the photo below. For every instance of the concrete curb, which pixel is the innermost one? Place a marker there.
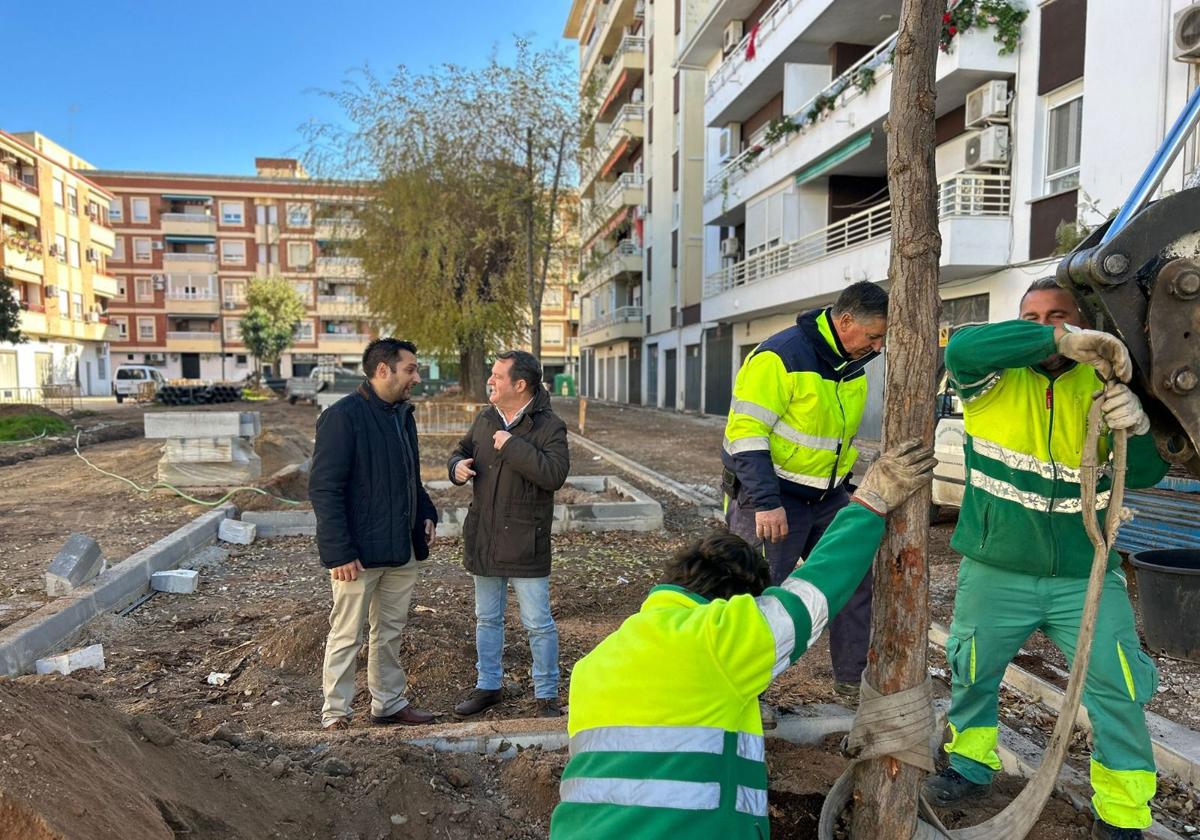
(57, 623)
(282, 523)
(1176, 747)
(662, 482)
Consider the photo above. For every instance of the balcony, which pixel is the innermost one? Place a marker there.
(627, 191)
(340, 266)
(327, 229)
(102, 236)
(189, 224)
(20, 196)
(614, 142)
(192, 294)
(611, 20)
(193, 342)
(974, 213)
(24, 264)
(180, 262)
(624, 70)
(104, 286)
(848, 109)
(341, 342)
(342, 306)
(625, 259)
(621, 323)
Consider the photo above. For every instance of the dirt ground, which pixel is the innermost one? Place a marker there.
(247, 758)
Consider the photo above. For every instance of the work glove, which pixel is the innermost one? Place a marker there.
(896, 475)
(1123, 410)
(1102, 351)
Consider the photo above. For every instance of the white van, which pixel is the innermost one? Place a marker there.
(128, 380)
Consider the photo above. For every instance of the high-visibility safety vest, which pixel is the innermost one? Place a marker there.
(797, 402)
(1024, 443)
(666, 735)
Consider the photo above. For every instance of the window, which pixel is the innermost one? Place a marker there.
(141, 249)
(115, 213)
(235, 291)
(77, 306)
(233, 329)
(60, 247)
(72, 201)
(64, 300)
(8, 370)
(552, 299)
(299, 255)
(260, 214)
(232, 213)
(57, 190)
(241, 360)
(304, 288)
(143, 288)
(146, 328)
(122, 288)
(73, 253)
(1063, 123)
(764, 223)
(139, 209)
(118, 249)
(299, 215)
(552, 333)
(233, 251)
(304, 331)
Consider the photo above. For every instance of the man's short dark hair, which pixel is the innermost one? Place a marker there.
(385, 351)
(864, 300)
(1042, 284)
(524, 366)
(719, 566)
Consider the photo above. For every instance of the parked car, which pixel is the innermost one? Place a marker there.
(129, 379)
(949, 476)
(322, 378)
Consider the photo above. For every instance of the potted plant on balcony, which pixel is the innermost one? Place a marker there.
(1002, 15)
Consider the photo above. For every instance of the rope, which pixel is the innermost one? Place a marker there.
(151, 488)
(27, 440)
(890, 725)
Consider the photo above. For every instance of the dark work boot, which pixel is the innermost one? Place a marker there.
(477, 701)
(950, 786)
(1103, 831)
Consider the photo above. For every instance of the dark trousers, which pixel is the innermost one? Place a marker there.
(849, 630)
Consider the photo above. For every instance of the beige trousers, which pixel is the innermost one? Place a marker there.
(380, 597)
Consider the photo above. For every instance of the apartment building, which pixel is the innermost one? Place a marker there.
(1032, 142)
(187, 245)
(55, 242)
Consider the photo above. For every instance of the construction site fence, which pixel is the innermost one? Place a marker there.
(445, 418)
(54, 397)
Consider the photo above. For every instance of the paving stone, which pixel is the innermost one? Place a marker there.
(77, 562)
(236, 531)
(181, 581)
(91, 656)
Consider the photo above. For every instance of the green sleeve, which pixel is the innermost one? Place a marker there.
(976, 355)
(1146, 466)
(843, 554)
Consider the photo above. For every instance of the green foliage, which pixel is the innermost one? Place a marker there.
(273, 311)
(25, 426)
(779, 128)
(10, 313)
(1002, 15)
(864, 79)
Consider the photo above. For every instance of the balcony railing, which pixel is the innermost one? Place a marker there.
(182, 256)
(626, 181)
(187, 217)
(191, 294)
(628, 112)
(629, 44)
(620, 315)
(192, 335)
(767, 25)
(960, 195)
(842, 89)
(609, 264)
(346, 337)
(347, 299)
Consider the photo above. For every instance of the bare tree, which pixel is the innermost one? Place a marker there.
(886, 790)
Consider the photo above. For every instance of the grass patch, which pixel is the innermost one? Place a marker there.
(25, 426)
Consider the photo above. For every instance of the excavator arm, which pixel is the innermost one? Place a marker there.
(1138, 277)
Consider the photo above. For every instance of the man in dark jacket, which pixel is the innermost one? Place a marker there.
(373, 518)
(516, 453)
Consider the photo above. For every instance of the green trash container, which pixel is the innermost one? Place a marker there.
(564, 385)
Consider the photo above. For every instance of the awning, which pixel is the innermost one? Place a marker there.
(611, 225)
(175, 237)
(21, 215)
(844, 152)
(613, 93)
(613, 158)
(188, 197)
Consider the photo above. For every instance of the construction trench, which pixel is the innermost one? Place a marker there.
(151, 747)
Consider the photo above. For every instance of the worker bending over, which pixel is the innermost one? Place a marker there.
(666, 735)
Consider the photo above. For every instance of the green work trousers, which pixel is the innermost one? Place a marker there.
(995, 611)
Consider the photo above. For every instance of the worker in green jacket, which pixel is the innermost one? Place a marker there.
(1027, 387)
(666, 735)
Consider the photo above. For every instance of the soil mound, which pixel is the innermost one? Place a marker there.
(299, 647)
(26, 410)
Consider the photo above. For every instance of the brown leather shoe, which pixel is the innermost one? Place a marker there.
(547, 707)
(408, 716)
(477, 701)
(337, 725)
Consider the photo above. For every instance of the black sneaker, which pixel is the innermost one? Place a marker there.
(1103, 831)
(547, 707)
(477, 701)
(950, 786)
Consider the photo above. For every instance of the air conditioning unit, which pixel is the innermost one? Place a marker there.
(229, 304)
(1186, 36)
(92, 255)
(988, 149)
(987, 103)
(730, 144)
(156, 245)
(50, 292)
(210, 247)
(730, 246)
(160, 282)
(733, 35)
(637, 96)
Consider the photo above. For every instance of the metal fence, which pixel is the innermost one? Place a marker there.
(54, 397)
(445, 418)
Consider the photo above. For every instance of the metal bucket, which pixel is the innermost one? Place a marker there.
(1168, 582)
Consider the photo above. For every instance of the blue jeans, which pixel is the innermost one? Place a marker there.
(533, 594)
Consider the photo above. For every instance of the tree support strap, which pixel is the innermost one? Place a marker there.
(901, 725)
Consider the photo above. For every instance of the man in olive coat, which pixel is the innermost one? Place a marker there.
(516, 455)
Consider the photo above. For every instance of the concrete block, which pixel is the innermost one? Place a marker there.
(282, 523)
(77, 562)
(202, 424)
(91, 656)
(180, 581)
(206, 450)
(246, 468)
(236, 531)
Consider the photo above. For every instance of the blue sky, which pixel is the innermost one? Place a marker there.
(208, 85)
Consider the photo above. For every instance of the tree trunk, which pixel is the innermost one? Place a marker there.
(886, 791)
(531, 285)
(472, 371)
